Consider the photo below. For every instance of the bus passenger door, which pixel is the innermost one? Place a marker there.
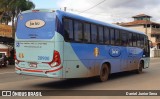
(131, 62)
(124, 58)
(146, 53)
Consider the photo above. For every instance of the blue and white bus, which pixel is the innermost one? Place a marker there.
(59, 44)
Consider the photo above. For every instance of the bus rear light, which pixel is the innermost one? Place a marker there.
(56, 59)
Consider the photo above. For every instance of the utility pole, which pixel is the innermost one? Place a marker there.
(146, 28)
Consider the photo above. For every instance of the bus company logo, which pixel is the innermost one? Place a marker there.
(96, 51)
(17, 44)
(35, 23)
(115, 52)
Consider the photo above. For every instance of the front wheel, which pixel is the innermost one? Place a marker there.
(104, 73)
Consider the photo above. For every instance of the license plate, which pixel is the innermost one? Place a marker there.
(33, 65)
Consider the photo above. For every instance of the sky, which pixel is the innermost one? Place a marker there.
(111, 11)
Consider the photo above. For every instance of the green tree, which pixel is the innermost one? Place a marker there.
(9, 9)
(4, 11)
(17, 6)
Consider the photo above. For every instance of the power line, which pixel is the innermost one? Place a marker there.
(93, 6)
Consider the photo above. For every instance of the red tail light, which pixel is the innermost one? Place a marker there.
(56, 59)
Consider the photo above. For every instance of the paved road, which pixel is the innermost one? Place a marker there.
(149, 80)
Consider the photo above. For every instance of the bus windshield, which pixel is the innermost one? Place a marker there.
(36, 25)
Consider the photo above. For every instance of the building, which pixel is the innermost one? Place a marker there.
(144, 24)
(5, 31)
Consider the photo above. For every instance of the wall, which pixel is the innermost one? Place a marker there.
(5, 30)
(6, 51)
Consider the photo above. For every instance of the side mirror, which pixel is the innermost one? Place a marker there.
(150, 44)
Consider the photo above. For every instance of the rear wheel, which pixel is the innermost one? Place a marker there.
(140, 69)
(104, 73)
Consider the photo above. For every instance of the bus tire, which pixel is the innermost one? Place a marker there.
(140, 68)
(104, 73)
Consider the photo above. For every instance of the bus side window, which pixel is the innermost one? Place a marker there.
(78, 36)
(94, 34)
(117, 37)
(146, 47)
(100, 32)
(106, 36)
(124, 40)
(87, 32)
(68, 29)
(134, 40)
(112, 36)
(138, 41)
(142, 41)
(130, 39)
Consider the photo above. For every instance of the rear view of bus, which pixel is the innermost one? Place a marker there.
(36, 52)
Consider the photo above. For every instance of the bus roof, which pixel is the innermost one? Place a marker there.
(75, 16)
(71, 15)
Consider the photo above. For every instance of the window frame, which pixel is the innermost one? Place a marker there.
(99, 34)
(104, 29)
(124, 32)
(109, 43)
(96, 34)
(84, 33)
(119, 43)
(113, 36)
(134, 34)
(130, 40)
(64, 29)
(81, 30)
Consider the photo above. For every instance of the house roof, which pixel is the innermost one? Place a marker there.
(138, 22)
(141, 15)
